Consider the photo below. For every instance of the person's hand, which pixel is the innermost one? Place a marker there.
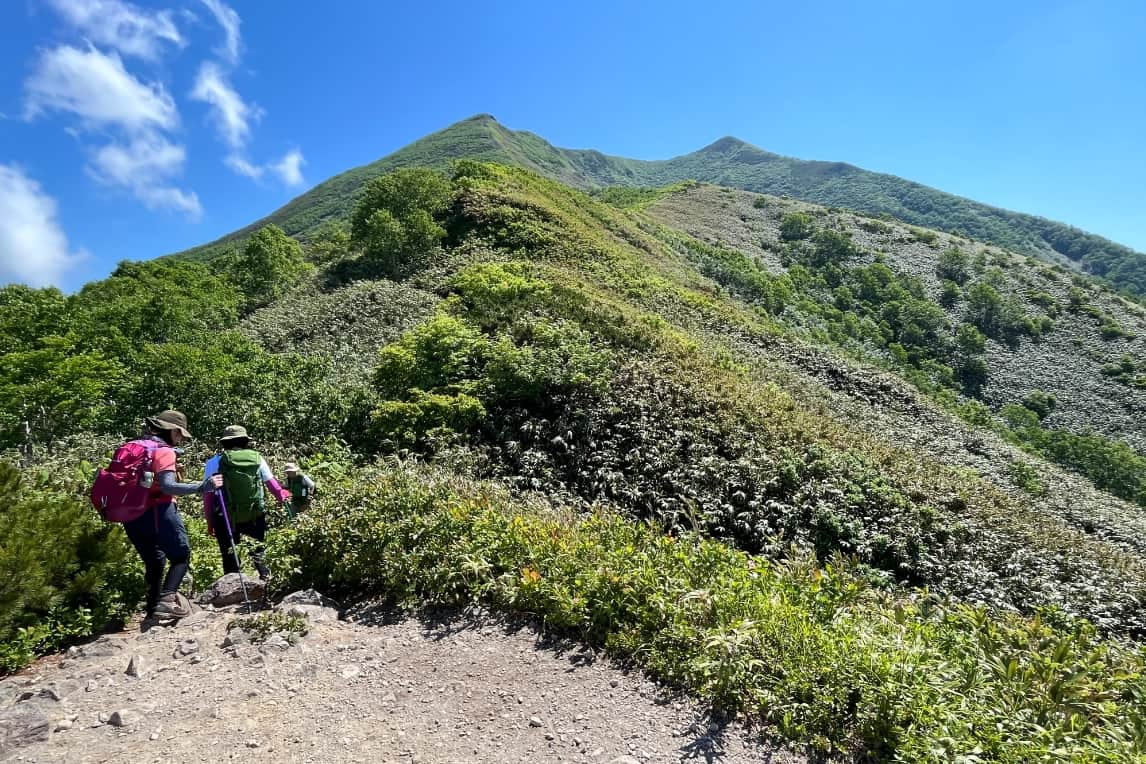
(211, 531)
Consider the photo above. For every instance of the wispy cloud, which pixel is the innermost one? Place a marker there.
(231, 114)
(33, 247)
(96, 87)
(146, 166)
(241, 166)
(131, 30)
(289, 168)
(229, 20)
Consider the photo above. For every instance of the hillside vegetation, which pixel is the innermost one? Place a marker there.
(727, 162)
(721, 435)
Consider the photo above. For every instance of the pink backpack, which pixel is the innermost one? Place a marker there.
(122, 491)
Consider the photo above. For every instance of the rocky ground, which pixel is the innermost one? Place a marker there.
(381, 687)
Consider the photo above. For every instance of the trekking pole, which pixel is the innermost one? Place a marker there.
(289, 510)
(234, 547)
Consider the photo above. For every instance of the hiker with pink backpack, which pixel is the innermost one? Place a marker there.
(138, 489)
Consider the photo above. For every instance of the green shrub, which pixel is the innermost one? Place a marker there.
(262, 625)
(796, 226)
(1042, 403)
(64, 573)
(955, 266)
(924, 236)
(808, 649)
(950, 295)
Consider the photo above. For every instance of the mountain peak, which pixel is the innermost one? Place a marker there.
(482, 118)
(726, 145)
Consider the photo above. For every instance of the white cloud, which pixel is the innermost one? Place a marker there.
(129, 29)
(171, 198)
(232, 115)
(146, 166)
(229, 20)
(289, 168)
(95, 87)
(241, 166)
(33, 247)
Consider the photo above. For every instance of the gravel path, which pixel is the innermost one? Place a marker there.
(455, 688)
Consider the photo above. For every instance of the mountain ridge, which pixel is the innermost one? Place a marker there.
(728, 161)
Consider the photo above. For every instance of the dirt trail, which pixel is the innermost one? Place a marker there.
(451, 688)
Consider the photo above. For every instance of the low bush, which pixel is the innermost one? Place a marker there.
(804, 647)
(64, 573)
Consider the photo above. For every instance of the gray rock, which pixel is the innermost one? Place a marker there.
(23, 725)
(64, 724)
(228, 590)
(51, 692)
(237, 636)
(313, 613)
(185, 648)
(307, 597)
(535, 721)
(103, 647)
(625, 760)
(136, 667)
(274, 643)
(121, 718)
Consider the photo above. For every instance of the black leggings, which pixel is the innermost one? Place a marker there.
(256, 529)
(159, 537)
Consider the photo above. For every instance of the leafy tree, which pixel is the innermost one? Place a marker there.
(154, 301)
(970, 368)
(397, 220)
(271, 263)
(330, 243)
(26, 314)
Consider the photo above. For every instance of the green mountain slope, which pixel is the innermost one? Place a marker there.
(728, 162)
(741, 441)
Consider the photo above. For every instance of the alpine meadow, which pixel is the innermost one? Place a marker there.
(854, 460)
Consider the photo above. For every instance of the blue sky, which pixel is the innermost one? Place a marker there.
(130, 130)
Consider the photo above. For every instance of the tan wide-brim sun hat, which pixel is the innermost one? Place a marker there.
(169, 420)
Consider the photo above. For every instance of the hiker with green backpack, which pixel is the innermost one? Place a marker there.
(238, 509)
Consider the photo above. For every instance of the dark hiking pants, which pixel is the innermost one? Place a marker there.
(159, 537)
(255, 529)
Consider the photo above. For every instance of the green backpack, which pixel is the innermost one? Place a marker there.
(242, 486)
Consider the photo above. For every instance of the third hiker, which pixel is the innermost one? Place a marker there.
(301, 487)
(242, 511)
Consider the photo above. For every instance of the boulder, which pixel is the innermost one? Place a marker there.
(308, 597)
(312, 613)
(23, 725)
(228, 590)
(311, 605)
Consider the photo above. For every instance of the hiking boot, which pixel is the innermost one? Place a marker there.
(264, 571)
(173, 606)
